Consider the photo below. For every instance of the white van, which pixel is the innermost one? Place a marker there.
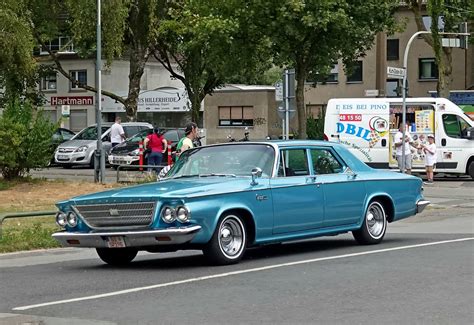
(367, 127)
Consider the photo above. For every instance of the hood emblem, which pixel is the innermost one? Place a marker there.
(114, 212)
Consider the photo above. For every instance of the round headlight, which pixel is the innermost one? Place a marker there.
(168, 215)
(61, 219)
(182, 214)
(71, 219)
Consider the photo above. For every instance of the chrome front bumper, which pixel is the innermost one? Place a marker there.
(421, 205)
(169, 236)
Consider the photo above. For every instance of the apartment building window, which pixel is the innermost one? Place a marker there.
(80, 76)
(236, 115)
(428, 69)
(393, 49)
(331, 77)
(49, 82)
(60, 44)
(356, 75)
(316, 111)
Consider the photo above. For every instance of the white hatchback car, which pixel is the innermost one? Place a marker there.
(80, 149)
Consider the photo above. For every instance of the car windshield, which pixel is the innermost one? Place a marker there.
(227, 160)
(90, 133)
(140, 135)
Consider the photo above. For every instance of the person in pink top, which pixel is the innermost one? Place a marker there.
(158, 145)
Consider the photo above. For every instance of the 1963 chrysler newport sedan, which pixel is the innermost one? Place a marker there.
(225, 198)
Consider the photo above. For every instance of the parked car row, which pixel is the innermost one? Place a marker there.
(80, 149)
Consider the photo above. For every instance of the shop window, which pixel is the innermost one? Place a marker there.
(49, 82)
(78, 119)
(81, 79)
(454, 126)
(236, 116)
(428, 69)
(356, 75)
(393, 49)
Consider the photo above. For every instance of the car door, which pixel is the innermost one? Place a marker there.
(344, 193)
(298, 201)
(452, 148)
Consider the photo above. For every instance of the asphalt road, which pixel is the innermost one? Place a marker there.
(421, 273)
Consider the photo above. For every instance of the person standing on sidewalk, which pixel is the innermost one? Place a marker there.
(430, 158)
(403, 145)
(117, 134)
(158, 145)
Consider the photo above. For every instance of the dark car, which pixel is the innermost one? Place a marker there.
(127, 153)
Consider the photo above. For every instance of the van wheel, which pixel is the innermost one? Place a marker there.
(228, 243)
(374, 225)
(471, 169)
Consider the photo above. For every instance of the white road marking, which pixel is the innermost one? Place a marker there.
(221, 275)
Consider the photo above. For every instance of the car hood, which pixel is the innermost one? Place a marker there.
(77, 143)
(173, 188)
(124, 147)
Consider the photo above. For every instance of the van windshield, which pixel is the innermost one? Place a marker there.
(90, 133)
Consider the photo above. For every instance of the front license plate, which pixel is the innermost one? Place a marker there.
(63, 157)
(115, 242)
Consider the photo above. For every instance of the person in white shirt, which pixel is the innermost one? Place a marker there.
(430, 158)
(117, 135)
(403, 145)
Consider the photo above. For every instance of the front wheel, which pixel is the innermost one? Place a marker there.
(228, 243)
(471, 169)
(374, 226)
(117, 256)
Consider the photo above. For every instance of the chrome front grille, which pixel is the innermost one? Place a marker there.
(138, 214)
(66, 150)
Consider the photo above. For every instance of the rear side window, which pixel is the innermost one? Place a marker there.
(324, 162)
(293, 162)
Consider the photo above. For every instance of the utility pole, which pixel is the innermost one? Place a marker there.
(99, 157)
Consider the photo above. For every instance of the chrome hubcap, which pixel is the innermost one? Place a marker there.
(231, 237)
(375, 217)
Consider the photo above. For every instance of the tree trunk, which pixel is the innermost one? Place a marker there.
(138, 58)
(300, 108)
(445, 69)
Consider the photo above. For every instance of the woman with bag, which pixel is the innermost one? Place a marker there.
(157, 145)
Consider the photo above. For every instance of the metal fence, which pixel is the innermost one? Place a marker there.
(144, 173)
(4, 216)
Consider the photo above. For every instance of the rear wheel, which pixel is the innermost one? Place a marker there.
(228, 243)
(117, 256)
(374, 226)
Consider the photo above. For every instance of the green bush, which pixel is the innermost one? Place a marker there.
(25, 139)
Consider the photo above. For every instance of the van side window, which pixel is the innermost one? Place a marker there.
(324, 162)
(293, 162)
(454, 125)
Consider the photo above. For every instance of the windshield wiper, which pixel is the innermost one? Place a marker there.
(218, 175)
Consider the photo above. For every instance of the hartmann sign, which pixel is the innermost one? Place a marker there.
(71, 100)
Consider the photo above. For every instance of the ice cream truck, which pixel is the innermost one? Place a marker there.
(367, 127)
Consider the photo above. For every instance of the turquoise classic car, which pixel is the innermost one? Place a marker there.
(225, 198)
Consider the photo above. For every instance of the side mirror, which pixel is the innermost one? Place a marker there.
(256, 172)
(468, 133)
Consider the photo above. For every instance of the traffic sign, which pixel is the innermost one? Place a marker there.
(65, 110)
(396, 73)
(279, 91)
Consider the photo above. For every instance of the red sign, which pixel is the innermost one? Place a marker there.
(350, 117)
(73, 100)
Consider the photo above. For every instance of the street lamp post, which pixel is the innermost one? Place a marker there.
(99, 159)
(404, 90)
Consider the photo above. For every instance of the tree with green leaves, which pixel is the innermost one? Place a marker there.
(445, 16)
(311, 35)
(25, 139)
(17, 67)
(206, 43)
